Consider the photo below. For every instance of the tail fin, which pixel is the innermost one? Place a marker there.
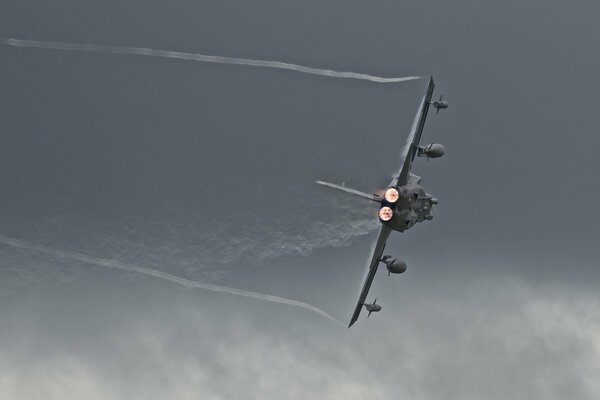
(355, 192)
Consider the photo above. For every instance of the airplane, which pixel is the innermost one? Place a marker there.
(401, 205)
(439, 104)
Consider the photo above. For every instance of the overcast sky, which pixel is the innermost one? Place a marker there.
(206, 172)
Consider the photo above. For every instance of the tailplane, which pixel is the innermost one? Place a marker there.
(343, 188)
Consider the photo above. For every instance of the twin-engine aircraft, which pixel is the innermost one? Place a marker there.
(403, 203)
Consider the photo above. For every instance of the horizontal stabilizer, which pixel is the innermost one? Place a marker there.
(355, 192)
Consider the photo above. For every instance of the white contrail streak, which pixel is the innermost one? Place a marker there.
(161, 275)
(141, 51)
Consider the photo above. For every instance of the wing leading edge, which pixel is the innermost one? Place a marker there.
(415, 136)
(379, 247)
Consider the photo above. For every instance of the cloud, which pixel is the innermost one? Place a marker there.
(488, 341)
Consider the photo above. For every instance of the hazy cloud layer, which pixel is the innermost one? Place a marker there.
(492, 343)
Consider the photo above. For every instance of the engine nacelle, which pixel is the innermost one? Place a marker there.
(433, 150)
(394, 265)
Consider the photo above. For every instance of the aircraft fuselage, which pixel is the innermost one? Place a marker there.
(414, 205)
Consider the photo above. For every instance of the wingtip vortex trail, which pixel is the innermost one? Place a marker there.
(142, 51)
(104, 262)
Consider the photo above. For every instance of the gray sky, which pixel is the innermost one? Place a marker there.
(206, 172)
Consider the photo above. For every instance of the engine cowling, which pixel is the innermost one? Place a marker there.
(434, 150)
(394, 265)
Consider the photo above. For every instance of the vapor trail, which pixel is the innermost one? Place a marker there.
(104, 262)
(141, 51)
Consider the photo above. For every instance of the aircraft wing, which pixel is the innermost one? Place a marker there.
(412, 144)
(379, 247)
